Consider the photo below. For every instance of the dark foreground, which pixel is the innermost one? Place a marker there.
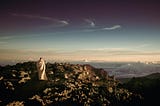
(74, 84)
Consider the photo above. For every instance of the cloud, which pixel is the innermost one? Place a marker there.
(64, 22)
(112, 28)
(104, 54)
(103, 28)
(90, 22)
(109, 49)
(143, 45)
(117, 52)
(54, 22)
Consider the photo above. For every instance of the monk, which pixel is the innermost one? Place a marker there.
(41, 67)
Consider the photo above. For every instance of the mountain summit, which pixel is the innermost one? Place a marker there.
(67, 84)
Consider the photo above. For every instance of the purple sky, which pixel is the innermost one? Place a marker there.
(128, 29)
(131, 13)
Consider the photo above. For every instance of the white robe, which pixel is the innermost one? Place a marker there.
(41, 67)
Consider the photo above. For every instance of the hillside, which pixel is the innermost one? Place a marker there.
(148, 86)
(154, 76)
(68, 84)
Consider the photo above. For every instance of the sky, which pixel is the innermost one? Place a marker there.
(75, 30)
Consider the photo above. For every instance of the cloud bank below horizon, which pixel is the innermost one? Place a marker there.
(111, 54)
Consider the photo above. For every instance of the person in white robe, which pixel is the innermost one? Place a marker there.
(41, 67)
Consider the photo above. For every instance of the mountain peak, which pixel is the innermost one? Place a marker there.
(68, 84)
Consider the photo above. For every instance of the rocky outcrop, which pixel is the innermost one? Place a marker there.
(16, 103)
(68, 84)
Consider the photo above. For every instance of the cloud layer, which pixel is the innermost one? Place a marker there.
(112, 28)
(90, 22)
(54, 22)
(110, 54)
(60, 23)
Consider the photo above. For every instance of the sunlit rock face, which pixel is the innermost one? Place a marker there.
(24, 77)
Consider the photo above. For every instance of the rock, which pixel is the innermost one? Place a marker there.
(9, 85)
(24, 77)
(66, 76)
(97, 78)
(1, 78)
(70, 84)
(16, 103)
(47, 90)
(50, 72)
(23, 74)
(37, 98)
(110, 89)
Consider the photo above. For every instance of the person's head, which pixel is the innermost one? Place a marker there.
(40, 58)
